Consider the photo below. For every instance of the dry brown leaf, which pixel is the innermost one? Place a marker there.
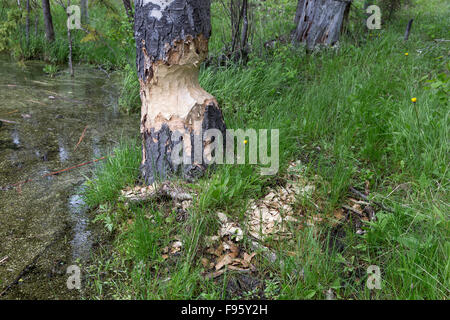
(219, 251)
(224, 261)
(234, 250)
(248, 257)
(213, 275)
(205, 262)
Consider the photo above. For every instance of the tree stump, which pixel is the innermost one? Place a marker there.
(319, 21)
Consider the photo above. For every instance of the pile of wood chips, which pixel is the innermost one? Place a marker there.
(268, 216)
(156, 191)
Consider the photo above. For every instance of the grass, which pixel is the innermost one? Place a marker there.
(347, 114)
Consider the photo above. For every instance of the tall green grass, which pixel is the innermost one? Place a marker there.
(347, 113)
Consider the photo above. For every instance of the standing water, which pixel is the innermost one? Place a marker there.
(44, 225)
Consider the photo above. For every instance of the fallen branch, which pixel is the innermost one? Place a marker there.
(352, 210)
(362, 196)
(271, 256)
(3, 260)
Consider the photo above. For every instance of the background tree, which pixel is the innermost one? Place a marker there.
(48, 21)
(27, 28)
(128, 9)
(319, 21)
(171, 41)
(69, 35)
(84, 4)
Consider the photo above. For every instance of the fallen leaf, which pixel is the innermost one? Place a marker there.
(224, 261)
(205, 262)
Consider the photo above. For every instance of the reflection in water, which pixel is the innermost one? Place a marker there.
(15, 137)
(95, 147)
(81, 242)
(63, 154)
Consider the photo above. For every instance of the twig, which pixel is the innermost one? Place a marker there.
(19, 184)
(3, 260)
(352, 210)
(81, 138)
(362, 196)
(8, 121)
(106, 72)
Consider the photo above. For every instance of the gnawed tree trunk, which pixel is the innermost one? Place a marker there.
(171, 41)
(319, 21)
(49, 32)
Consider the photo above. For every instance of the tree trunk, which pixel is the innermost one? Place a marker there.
(128, 9)
(84, 11)
(36, 23)
(49, 32)
(27, 29)
(171, 41)
(69, 39)
(319, 21)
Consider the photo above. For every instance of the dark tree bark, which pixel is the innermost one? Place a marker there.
(319, 21)
(408, 29)
(171, 41)
(128, 9)
(48, 21)
(239, 13)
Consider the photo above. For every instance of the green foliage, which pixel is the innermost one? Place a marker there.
(51, 69)
(119, 170)
(129, 100)
(9, 27)
(389, 7)
(441, 85)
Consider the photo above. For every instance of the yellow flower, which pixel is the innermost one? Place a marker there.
(406, 53)
(414, 100)
(245, 141)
